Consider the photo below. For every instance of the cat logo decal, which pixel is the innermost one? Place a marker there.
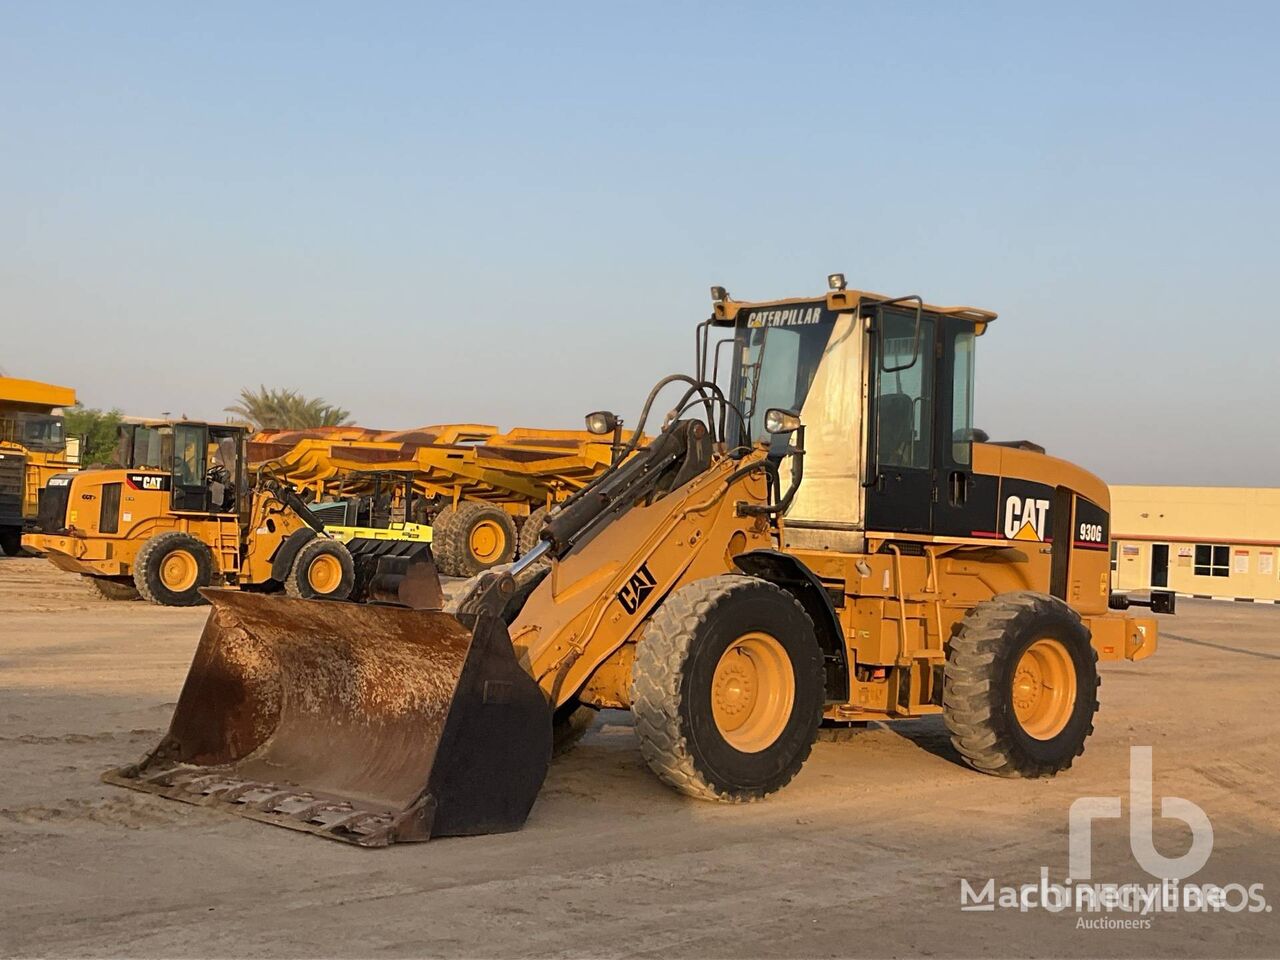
(637, 589)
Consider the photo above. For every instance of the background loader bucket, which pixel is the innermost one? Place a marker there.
(364, 723)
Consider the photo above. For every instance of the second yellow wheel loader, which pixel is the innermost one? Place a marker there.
(181, 514)
(814, 536)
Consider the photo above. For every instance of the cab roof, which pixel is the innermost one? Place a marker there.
(155, 423)
(727, 309)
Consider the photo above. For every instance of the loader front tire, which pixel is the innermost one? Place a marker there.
(322, 570)
(11, 541)
(727, 689)
(171, 568)
(529, 533)
(115, 588)
(1020, 686)
(472, 537)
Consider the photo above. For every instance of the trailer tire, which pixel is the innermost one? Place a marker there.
(322, 570)
(530, 532)
(471, 538)
(569, 724)
(170, 569)
(715, 726)
(11, 541)
(112, 588)
(1020, 686)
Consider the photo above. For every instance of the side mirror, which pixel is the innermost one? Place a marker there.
(779, 421)
(602, 422)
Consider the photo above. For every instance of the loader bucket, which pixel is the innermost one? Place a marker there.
(365, 723)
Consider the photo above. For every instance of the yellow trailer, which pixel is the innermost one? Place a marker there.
(476, 487)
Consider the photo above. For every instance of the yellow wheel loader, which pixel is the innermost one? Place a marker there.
(814, 537)
(181, 515)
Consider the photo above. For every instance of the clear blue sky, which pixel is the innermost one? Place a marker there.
(512, 213)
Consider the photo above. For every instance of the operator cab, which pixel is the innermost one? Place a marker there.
(204, 462)
(899, 460)
(39, 432)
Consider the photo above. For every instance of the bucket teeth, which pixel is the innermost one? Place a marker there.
(364, 723)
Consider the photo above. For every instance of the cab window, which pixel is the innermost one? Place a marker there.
(904, 392)
(189, 456)
(152, 448)
(962, 399)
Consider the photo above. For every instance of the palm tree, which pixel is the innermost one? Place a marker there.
(278, 409)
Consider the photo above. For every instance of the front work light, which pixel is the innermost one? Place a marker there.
(777, 420)
(835, 281)
(602, 422)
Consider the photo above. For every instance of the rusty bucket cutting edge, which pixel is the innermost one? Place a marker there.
(364, 723)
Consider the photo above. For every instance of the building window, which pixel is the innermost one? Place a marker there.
(1212, 560)
(1115, 549)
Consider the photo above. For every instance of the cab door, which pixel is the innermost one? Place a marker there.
(966, 501)
(190, 453)
(900, 473)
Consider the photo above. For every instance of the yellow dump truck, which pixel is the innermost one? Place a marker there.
(33, 448)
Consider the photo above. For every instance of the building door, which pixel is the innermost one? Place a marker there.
(1159, 565)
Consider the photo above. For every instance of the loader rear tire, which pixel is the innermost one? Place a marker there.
(472, 537)
(112, 588)
(322, 570)
(727, 689)
(1020, 686)
(532, 528)
(171, 568)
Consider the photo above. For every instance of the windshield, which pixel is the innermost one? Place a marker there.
(778, 350)
(35, 431)
(152, 448)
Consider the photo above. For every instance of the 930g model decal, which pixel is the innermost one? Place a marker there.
(1092, 530)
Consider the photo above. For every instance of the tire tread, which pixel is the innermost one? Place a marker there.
(971, 699)
(142, 563)
(449, 537)
(656, 680)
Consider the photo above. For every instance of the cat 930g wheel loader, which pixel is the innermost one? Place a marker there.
(815, 536)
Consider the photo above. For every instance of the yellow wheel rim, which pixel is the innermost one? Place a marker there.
(325, 573)
(487, 541)
(178, 571)
(752, 692)
(1044, 689)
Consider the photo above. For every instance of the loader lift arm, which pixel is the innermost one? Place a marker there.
(681, 451)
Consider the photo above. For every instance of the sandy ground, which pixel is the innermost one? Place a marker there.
(862, 855)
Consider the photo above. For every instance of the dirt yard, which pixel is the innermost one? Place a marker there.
(862, 856)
